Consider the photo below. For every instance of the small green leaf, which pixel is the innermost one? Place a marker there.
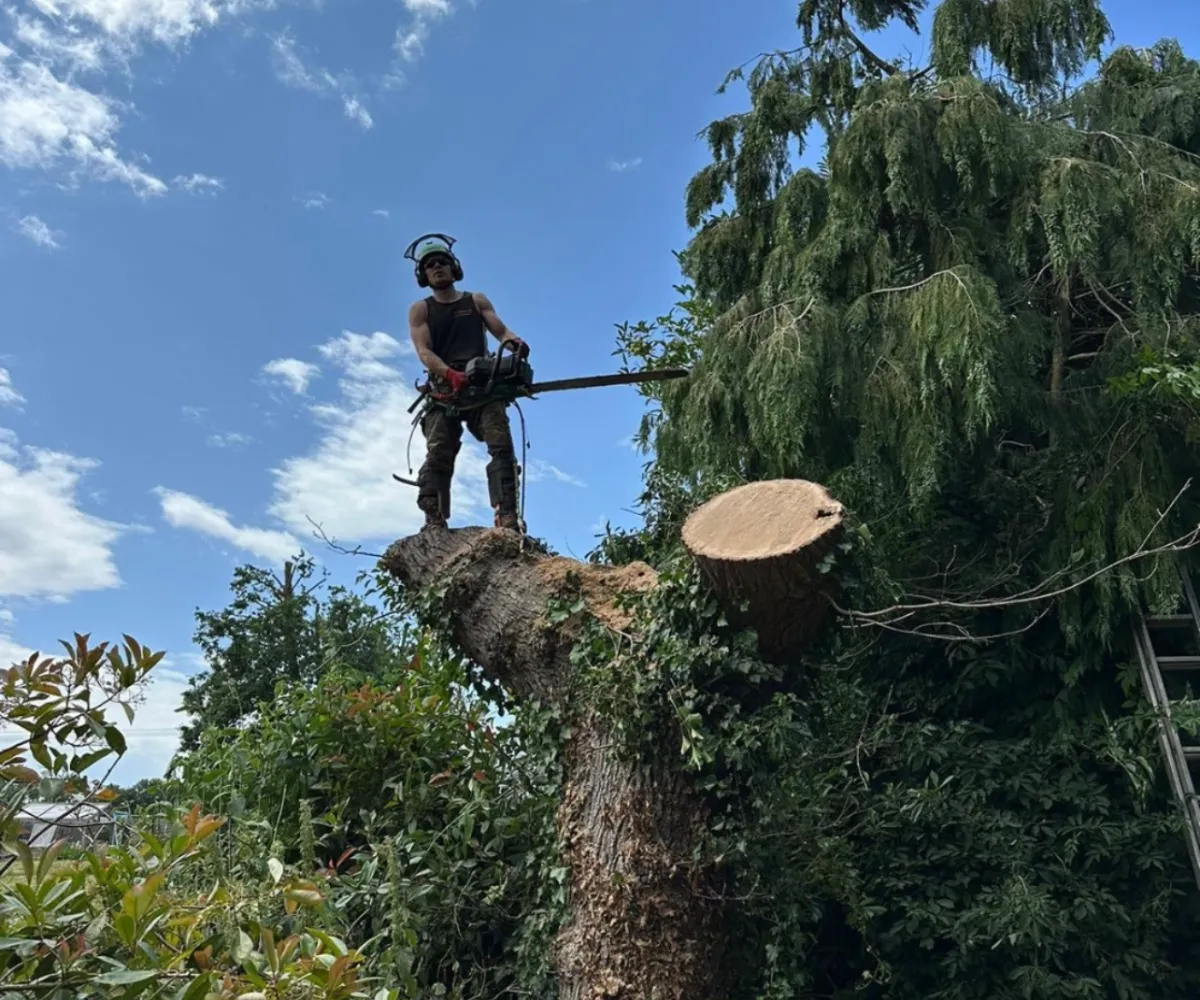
(125, 977)
(115, 739)
(84, 761)
(243, 948)
(41, 754)
(197, 989)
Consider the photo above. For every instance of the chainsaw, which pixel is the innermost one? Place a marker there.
(508, 377)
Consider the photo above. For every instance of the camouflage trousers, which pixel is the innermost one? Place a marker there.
(443, 440)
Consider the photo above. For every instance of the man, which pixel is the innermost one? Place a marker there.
(448, 329)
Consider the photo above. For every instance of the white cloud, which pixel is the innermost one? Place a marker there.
(291, 70)
(356, 112)
(67, 46)
(49, 547)
(344, 484)
(46, 122)
(130, 22)
(52, 121)
(293, 372)
(317, 199)
(8, 397)
(383, 213)
(410, 40)
(540, 470)
(361, 356)
(182, 510)
(12, 651)
(231, 440)
(199, 183)
(33, 228)
(620, 166)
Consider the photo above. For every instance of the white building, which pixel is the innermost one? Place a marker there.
(82, 823)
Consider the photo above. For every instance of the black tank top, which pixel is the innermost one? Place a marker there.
(457, 330)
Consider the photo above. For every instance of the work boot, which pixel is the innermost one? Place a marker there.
(433, 519)
(436, 509)
(509, 521)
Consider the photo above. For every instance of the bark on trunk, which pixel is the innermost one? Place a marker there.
(644, 922)
(761, 544)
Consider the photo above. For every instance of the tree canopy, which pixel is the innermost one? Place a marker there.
(288, 627)
(975, 322)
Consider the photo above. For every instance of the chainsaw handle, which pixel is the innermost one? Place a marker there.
(496, 365)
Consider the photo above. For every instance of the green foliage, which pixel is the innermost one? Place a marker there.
(64, 706)
(430, 825)
(120, 922)
(144, 794)
(281, 629)
(117, 925)
(976, 322)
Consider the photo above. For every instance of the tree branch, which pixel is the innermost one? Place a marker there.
(889, 618)
(877, 62)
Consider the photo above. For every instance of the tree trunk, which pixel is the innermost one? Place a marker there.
(644, 922)
(762, 544)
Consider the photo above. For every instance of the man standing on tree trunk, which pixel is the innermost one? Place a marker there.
(448, 329)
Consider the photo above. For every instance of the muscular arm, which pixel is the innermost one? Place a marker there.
(422, 338)
(492, 321)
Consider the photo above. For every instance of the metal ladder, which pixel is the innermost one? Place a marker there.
(1153, 665)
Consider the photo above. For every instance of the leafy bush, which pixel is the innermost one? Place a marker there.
(427, 822)
(124, 921)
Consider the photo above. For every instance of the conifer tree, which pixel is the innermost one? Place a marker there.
(976, 323)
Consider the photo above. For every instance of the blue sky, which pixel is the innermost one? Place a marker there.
(203, 207)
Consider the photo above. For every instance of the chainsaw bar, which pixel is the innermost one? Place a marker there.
(623, 378)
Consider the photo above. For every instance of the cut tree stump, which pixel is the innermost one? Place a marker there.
(761, 544)
(645, 920)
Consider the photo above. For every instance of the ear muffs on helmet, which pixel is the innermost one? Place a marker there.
(424, 246)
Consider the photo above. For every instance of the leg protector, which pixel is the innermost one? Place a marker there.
(490, 425)
(502, 484)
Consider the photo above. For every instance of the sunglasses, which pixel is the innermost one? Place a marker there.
(433, 262)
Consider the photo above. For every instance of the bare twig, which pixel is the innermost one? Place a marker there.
(892, 617)
(356, 551)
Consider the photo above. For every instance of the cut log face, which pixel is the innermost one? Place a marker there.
(644, 922)
(761, 544)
